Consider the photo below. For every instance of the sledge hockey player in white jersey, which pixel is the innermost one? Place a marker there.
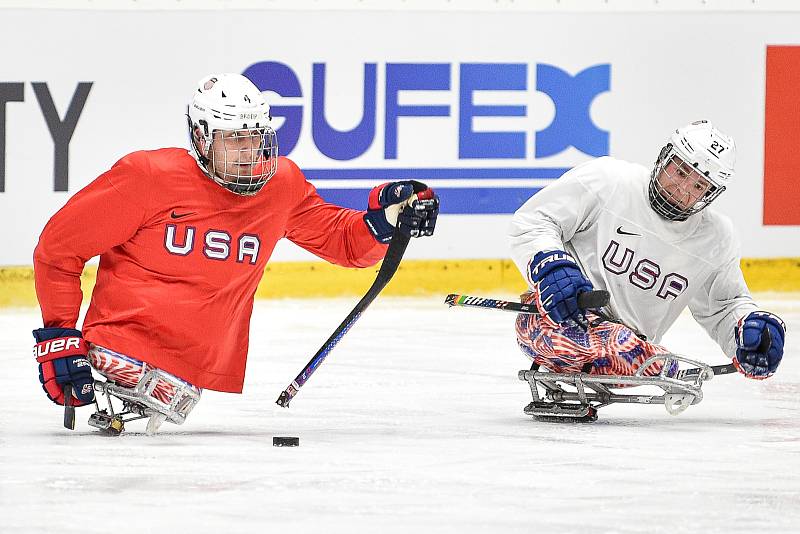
(647, 238)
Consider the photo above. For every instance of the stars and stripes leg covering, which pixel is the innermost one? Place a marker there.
(606, 348)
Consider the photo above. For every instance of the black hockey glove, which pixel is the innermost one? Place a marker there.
(394, 204)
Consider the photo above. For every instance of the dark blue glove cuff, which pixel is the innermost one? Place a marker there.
(378, 225)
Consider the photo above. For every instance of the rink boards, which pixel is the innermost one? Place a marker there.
(414, 278)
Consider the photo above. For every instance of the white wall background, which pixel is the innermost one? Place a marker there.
(668, 67)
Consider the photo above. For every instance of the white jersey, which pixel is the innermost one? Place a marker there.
(600, 213)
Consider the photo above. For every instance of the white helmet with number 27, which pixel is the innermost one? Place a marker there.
(699, 153)
(230, 128)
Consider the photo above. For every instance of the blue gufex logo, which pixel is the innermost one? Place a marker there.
(571, 126)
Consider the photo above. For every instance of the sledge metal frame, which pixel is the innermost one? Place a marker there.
(139, 403)
(592, 392)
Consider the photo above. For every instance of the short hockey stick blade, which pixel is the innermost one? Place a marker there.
(728, 368)
(724, 369)
(69, 409)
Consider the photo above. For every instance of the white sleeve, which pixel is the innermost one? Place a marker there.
(722, 301)
(555, 214)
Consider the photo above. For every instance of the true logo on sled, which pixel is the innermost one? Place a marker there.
(56, 345)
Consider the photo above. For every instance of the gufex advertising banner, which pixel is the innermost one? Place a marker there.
(488, 108)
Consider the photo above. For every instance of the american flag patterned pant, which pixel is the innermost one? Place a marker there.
(607, 348)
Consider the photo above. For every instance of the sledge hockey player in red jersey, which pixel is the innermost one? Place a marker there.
(645, 237)
(183, 239)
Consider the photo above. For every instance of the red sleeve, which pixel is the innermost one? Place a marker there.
(97, 218)
(335, 234)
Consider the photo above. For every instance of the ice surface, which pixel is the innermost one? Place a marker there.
(413, 424)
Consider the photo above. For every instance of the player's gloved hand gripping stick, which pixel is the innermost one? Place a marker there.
(759, 344)
(559, 282)
(64, 371)
(420, 218)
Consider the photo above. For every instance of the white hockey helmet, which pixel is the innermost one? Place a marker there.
(710, 152)
(231, 103)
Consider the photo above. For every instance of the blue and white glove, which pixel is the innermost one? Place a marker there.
(759, 344)
(558, 280)
(391, 204)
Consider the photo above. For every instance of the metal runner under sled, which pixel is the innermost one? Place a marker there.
(588, 393)
(139, 403)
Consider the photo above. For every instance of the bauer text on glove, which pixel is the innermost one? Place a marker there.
(61, 354)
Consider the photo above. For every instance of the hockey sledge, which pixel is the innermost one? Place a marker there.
(139, 403)
(576, 397)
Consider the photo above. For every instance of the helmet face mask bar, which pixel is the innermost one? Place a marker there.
(231, 133)
(243, 161)
(677, 189)
(691, 171)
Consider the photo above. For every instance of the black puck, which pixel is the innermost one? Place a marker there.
(283, 441)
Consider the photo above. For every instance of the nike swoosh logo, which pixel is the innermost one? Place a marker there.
(623, 232)
(178, 216)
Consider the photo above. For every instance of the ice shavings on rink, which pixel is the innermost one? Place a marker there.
(406, 431)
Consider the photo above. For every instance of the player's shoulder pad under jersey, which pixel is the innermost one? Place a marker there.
(288, 168)
(720, 228)
(288, 175)
(140, 176)
(604, 175)
(149, 163)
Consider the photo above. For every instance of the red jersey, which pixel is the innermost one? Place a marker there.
(180, 259)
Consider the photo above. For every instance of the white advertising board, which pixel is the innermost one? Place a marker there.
(487, 107)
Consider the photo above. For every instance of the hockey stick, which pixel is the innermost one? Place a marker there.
(594, 300)
(391, 262)
(586, 300)
(723, 369)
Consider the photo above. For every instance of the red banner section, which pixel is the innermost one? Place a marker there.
(782, 136)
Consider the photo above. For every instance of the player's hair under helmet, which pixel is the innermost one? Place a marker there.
(701, 150)
(231, 132)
